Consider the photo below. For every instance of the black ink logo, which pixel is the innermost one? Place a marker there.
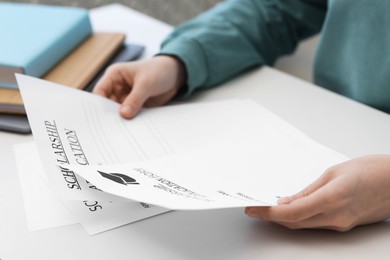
(119, 178)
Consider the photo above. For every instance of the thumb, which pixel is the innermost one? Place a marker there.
(307, 191)
(133, 103)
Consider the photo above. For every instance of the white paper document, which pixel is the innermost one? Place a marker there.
(43, 209)
(254, 168)
(75, 127)
(109, 171)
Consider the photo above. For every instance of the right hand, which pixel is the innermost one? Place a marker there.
(352, 193)
(149, 83)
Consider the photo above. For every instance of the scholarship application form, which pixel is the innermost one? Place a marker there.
(210, 155)
(72, 127)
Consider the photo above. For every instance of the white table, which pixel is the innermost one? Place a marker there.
(344, 125)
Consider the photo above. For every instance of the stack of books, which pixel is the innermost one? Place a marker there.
(54, 43)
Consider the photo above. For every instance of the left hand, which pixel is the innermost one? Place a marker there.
(356, 192)
(151, 82)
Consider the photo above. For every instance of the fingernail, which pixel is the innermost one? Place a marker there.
(126, 111)
(250, 213)
(284, 200)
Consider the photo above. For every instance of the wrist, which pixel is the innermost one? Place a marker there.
(179, 72)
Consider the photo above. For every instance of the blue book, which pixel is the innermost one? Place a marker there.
(34, 38)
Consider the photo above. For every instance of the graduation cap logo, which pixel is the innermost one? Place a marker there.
(119, 178)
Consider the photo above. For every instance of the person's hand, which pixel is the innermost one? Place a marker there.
(151, 82)
(355, 192)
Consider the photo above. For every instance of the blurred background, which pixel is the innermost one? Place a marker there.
(170, 11)
(174, 12)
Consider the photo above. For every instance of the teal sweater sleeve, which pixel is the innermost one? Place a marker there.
(237, 35)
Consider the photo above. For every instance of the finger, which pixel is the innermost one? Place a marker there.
(111, 81)
(160, 100)
(295, 211)
(104, 86)
(321, 181)
(133, 102)
(113, 97)
(319, 221)
(305, 224)
(332, 221)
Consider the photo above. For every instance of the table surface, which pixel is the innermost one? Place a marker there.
(344, 125)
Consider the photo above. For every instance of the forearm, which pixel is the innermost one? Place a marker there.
(240, 34)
